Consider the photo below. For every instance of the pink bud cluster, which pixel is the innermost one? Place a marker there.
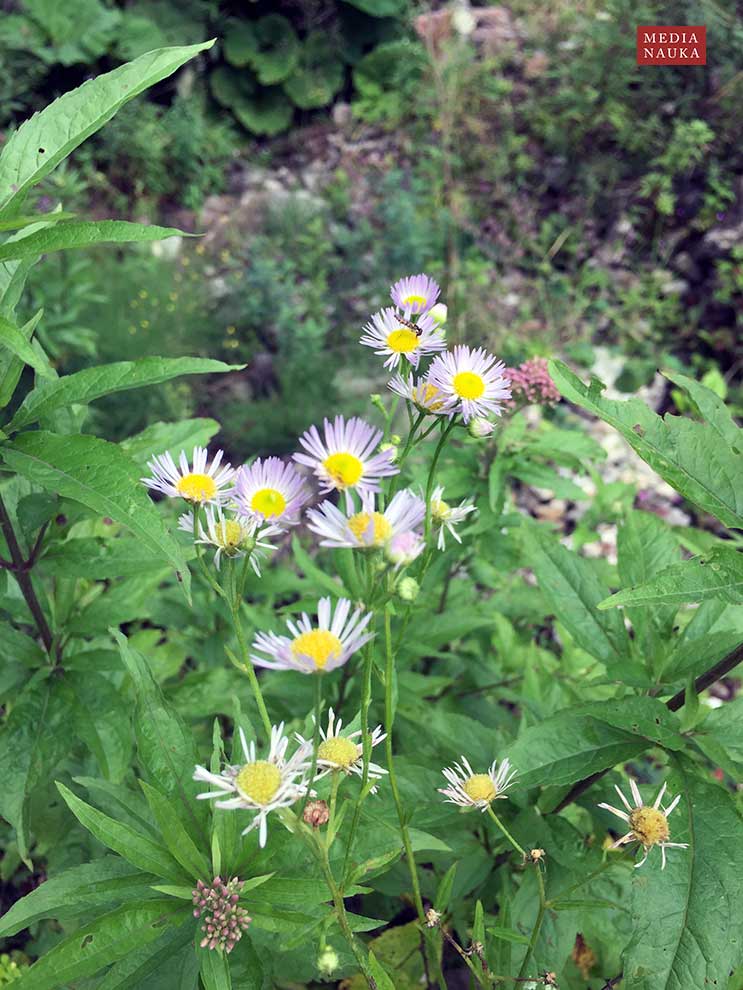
(224, 921)
(531, 383)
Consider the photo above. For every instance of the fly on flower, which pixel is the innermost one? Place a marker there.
(271, 489)
(233, 536)
(314, 649)
(476, 790)
(446, 517)
(395, 338)
(260, 785)
(367, 529)
(341, 753)
(648, 825)
(346, 458)
(414, 294)
(471, 382)
(201, 483)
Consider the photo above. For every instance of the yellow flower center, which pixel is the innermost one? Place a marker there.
(359, 524)
(425, 395)
(413, 300)
(259, 781)
(345, 469)
(479, 787)
(468, 385)
(649, 825)
(228, 534)
(320, 645)
(340, 751)
(440, 509)
(402, 341)
(269, 502)
(197, 487)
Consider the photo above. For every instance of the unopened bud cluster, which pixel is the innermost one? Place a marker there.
(224, 920)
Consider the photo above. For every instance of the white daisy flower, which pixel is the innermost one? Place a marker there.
(446, 516)
(427, 398)
(346, 457)
(312, 650)
(367, 529)
(233, 536)
(271, 489)
(471, 382)
(476, 790)
(201, 483)
(260, 785)
(393, 340)
(415, 294)
(338, 752)
(648, 824)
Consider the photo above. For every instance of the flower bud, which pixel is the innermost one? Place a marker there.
(408, 589)
(316, 813)
(392, 447)
(403, 548)
(438, 313)
(479, 427)
(328, 961)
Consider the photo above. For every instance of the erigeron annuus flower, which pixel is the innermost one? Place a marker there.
(367, 529)
(394, 340)
(476, 790)
(345, 458)
(342, 753)
(471, 382)
(233, 535)
(415, 294)
(200, 483)
(271, 489)
(311, 649)
(260, 785)
(446, 517)
(648, 824)
(427, 397)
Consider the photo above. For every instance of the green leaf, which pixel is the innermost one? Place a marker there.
(175, 836)
(443, 891)
(685, 453)
(314, 573)
(101, 943)
(99, 475)
(715, 575)
(573, 590)
(215, 970)
(711, 408)
(146, 959)
(77, 234)
(584, 739)
(381, 978)
(76, 891)
(101, 719)
(724, 727)
(92, 383)
(18, 342)
(686, 918)
(47, 138)
(18, 223)
(171, 437)
(135, 847)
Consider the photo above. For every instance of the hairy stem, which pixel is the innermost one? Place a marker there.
(247, 666)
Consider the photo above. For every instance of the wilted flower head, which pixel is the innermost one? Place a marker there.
(313, 649)
(415, 294)
(648, 825)
(394, 340)
(427, 397)
(471, 381)
(316, 813)
(233, 536)
(476, 790)
(367, 529)
(260, 785)
(531, 383)
(224, 920)
(200, 483)
(446, 517)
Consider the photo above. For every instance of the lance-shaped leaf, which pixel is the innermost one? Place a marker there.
(686, 918)
(173, 437)
(710, 406)
(92, 383)
(48, 137)
(99, 475)
(718, 574)
(102, 942)
(17, 341)
(685, 453)
(78, 234)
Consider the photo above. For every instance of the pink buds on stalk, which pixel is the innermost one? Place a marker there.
(224, 921)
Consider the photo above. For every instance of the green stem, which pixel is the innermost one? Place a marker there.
(537, 924)
(366, 750)
(250, 671)
(317, 710)
(505, 831)
(330, 833)
(20, 569)
(432, 472)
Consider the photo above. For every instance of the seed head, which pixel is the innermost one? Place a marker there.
(316, 813)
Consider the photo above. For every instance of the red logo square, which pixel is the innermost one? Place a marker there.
(671, 44)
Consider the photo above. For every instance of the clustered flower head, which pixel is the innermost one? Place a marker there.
(648, 824)
(224, 919)
(531, 384)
